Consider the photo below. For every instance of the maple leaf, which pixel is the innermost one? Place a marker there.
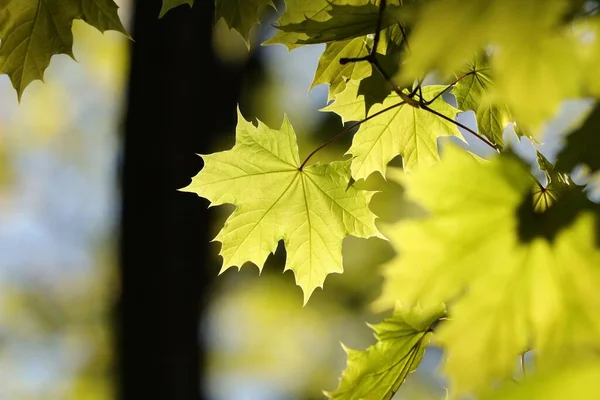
(557, 184)
(371, 87)
(472, 92)
(378, 372)
(302, 18)
(168, 5)
(331, 71)
(32, 31)
(574, 380)
(512, 287)
(404, 130)
(310, 209)
(345, 21)
(240, 15)
(547, 72)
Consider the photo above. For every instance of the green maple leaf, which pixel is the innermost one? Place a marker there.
(575, 380)
(547, 72)
(346, 21)
(311, 209)
(331, 71)
(302, 18)
(295, 12)
(558, 183)
(349, 105)
(510, 290)
(404, 130)
(380, 370)
(582, 146)
(472, 92)
(168, 5)
(32, 31)
(240, 15)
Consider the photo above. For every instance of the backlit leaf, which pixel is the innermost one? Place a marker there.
(405, 130)
(379, 371)
(311, 210)
(511, 287)
(32, 31)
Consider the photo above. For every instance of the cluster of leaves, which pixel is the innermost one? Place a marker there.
(500, 264)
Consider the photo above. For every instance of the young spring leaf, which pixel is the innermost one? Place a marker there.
(404, 130)
(331, 71)
(378, 372)
(508, 293)
(472, 92)
(311, 209)
(32, 31)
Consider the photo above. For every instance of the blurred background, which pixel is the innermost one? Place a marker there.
(108, 283)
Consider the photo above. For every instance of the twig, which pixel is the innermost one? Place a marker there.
(466, 128)
(346, 130)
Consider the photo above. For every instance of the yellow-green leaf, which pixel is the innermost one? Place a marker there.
(377, 372)
(32, 31)
(534, 63)
(472, 92)
(311, 210)
(575, 380)
(331, 71)
(405, 130)
(347, 20)
(511, 287)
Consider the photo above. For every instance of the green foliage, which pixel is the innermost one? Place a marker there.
(378, 372)
(403, 130)
(167, 5)
(507, 293)
(571, 381)
(515, 261)
(32, 31)
(472, 92)
(309, 208)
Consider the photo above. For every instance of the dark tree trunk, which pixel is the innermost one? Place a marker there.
(178, 97)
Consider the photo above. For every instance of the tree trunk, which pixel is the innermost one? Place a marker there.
(178, 97)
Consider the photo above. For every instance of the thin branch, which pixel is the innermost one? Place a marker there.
(346, 130)
(466, 128)
(408, 99)
(454, 83)
(382, 6)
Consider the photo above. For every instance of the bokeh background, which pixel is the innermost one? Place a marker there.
(65, 272)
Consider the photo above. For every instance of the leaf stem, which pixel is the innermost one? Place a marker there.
(454, 83)
(466, 128)
(346, 130)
